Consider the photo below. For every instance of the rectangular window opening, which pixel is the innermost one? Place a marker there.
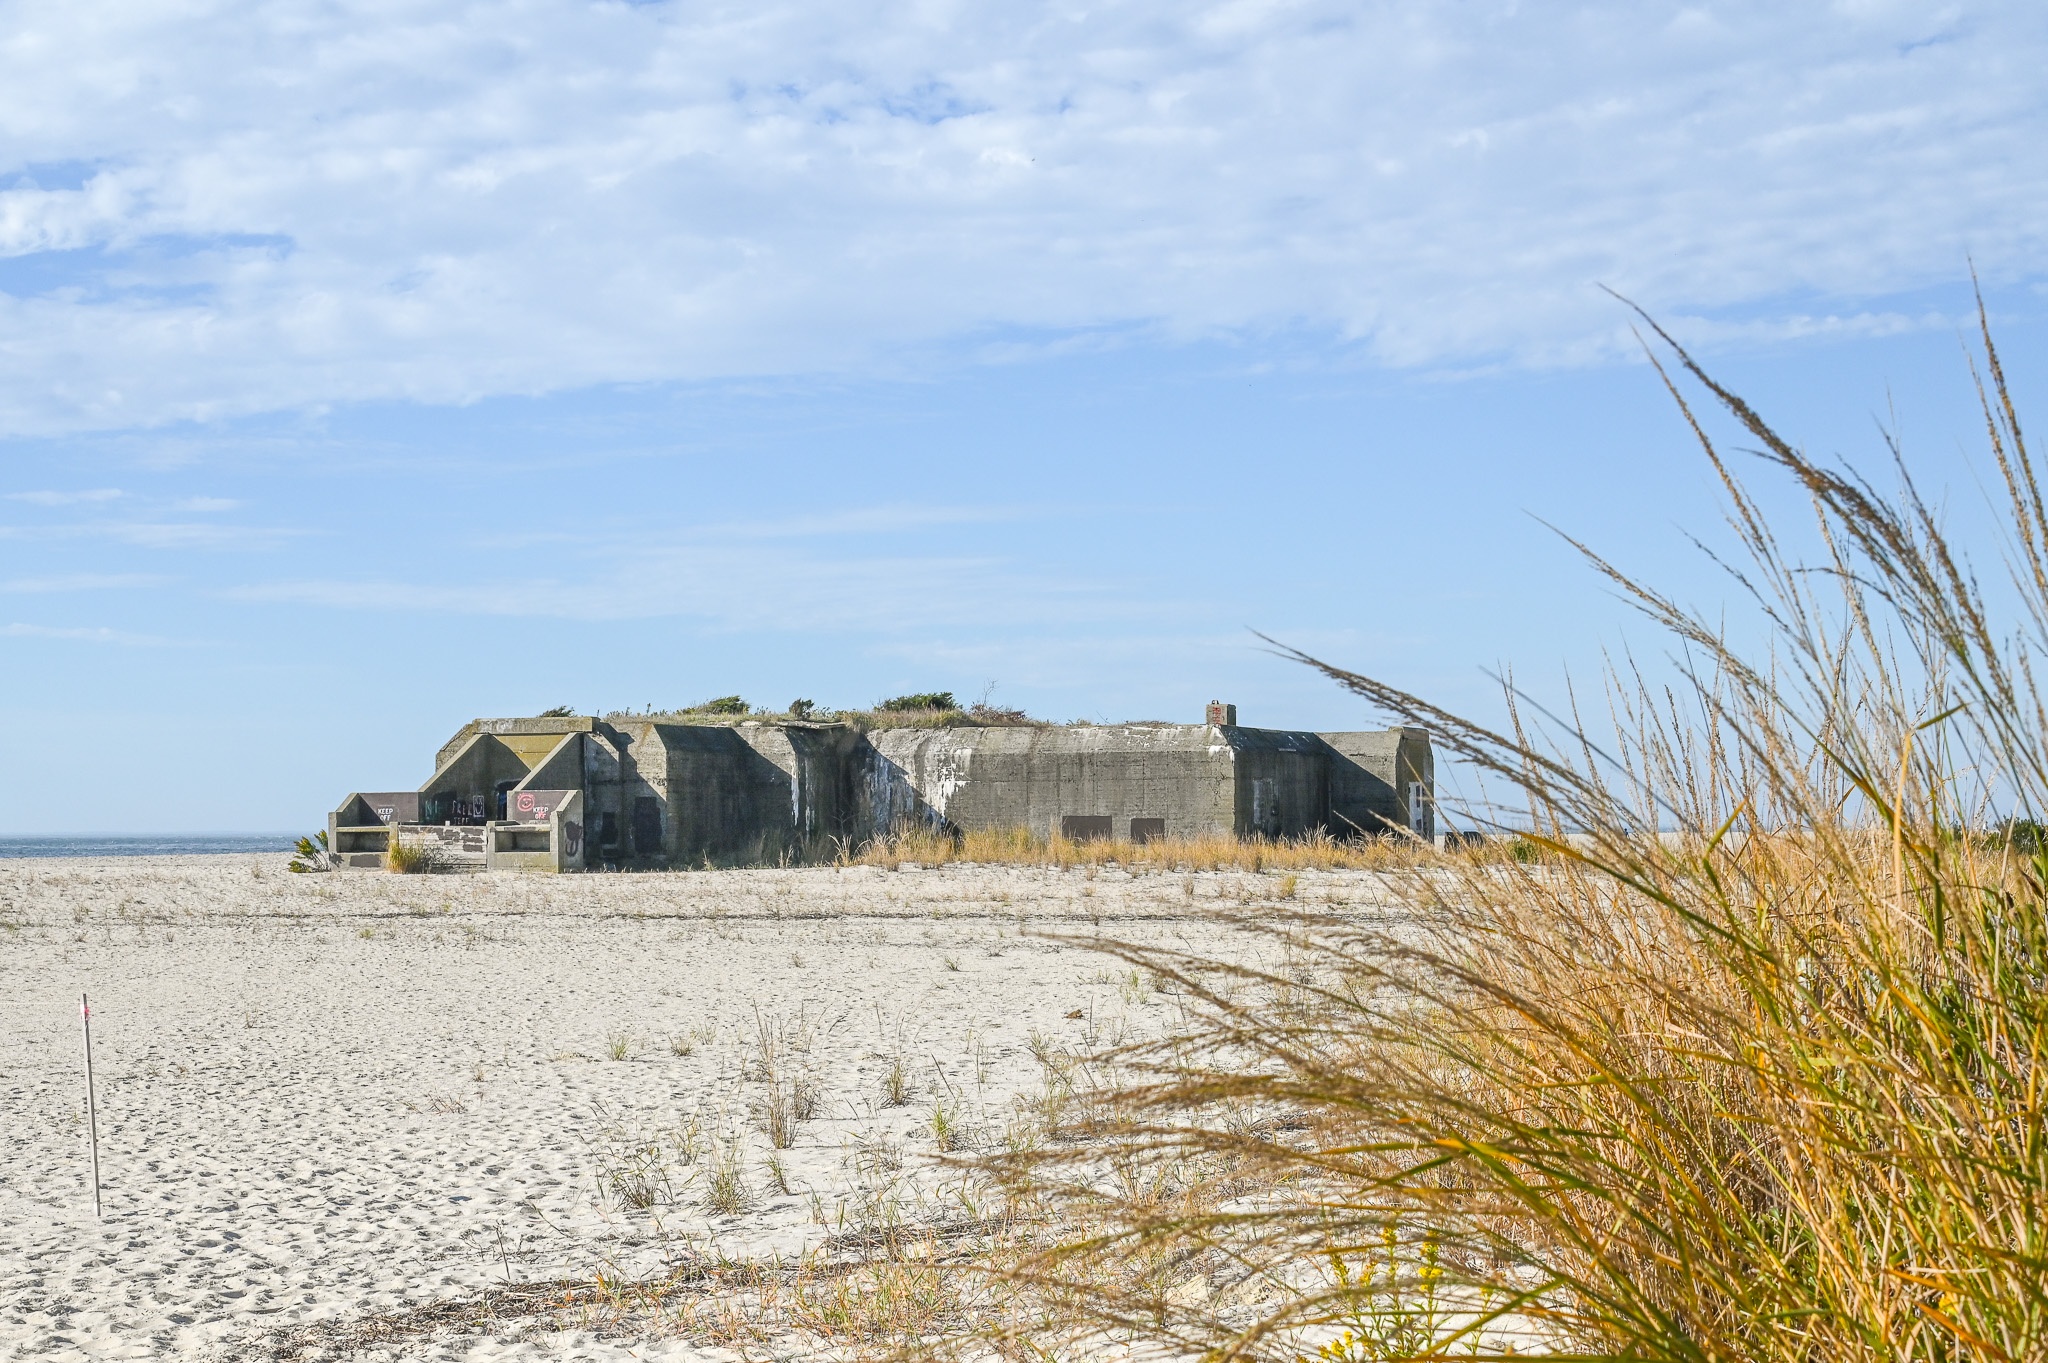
(1085, 827)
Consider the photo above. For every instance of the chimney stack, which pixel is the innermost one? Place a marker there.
(1219, 713)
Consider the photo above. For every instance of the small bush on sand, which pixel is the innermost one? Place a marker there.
(311, 854)
(410, 856)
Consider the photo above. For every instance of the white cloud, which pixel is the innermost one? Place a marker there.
(859, 570)
(78, 582)
(226, 206)
(51, 498)
(170, 535)
(867, 520)
(84, 634)
(744, 587)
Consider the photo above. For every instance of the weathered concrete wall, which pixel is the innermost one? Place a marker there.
(816, 762)
(1035, 778)
(559, 768)
(723, 796)
(550, 844)
(641, 795)
(465, 786)
(1370, 775)
(1416, 764)
(604, 802)
(518, 730)
(750, 791)
(1283, 783)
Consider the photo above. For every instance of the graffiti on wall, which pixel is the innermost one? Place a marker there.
(394, 806)
(535, 806)
(456, 809)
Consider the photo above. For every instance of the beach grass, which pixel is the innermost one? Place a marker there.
(922, 845)
(1736, 1055)
(410, 856)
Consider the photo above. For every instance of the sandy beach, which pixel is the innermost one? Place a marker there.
(331, 1098)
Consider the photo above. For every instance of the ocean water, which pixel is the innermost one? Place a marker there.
(141, 844)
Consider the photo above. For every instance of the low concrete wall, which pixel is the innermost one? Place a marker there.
(537, 841)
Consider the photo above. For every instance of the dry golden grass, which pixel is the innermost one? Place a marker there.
(1807, 1134)
(410, 856)
(918, 844)
(891, 1298)
(1738, 1057)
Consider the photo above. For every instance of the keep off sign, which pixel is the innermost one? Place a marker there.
(535, 806)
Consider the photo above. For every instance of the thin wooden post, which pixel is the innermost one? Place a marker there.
(92, 1112)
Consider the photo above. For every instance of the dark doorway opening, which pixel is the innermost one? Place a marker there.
(646, 826)
(1084, 827)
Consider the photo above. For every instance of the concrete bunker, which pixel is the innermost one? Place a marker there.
(560, 793)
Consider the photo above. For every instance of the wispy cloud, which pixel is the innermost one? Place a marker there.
(749, 587)
(85, 634)
(870, 520)
(154, 534)
(79, 582)
(52, 498)
(371, 202)
(846, 523)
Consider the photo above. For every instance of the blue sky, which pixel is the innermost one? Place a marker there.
(373, 366)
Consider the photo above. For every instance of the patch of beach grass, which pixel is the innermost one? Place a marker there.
(896, 1085)
(918, 844)
(726, 1192)
(411, 856)
(1735, 1056)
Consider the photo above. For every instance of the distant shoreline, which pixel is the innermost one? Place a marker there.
(141, 844)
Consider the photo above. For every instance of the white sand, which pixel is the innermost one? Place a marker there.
(323, 1097)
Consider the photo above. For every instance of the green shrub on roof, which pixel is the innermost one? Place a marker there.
(922, 700)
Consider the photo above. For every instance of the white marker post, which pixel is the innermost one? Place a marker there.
(92, 1112)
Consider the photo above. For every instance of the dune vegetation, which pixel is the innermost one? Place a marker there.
(921, 845)
(1744, 1064)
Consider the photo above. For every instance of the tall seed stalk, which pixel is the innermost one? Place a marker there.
(1742, 1061)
